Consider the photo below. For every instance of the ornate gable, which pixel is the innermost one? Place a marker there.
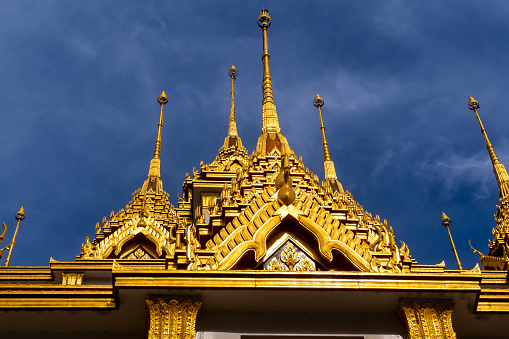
(266, 221)
(149, 221)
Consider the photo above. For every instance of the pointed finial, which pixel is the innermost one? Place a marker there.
(472, 103)
(445, 219)
(20, 215)
(162, 98)
(318, 101)
(264, 20)
(232, 72)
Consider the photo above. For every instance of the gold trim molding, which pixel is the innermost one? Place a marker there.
(173, 319)
(427, 320)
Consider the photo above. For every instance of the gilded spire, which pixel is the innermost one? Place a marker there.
(232, 143)
(498, 168)
(270, 122)
(232, 128)
(153, 182)
(20, 215)
(318, 102)
(155, 163)
(446, 221)
(330, 171)
(271, 141)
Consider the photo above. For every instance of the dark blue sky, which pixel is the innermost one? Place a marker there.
(78, 113)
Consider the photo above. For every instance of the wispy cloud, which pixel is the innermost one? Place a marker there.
(456, 171)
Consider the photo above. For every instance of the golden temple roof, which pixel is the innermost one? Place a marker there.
(250, 212)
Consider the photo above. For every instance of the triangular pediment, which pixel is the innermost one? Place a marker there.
(289, 257)
(145, 225)
(139, 252)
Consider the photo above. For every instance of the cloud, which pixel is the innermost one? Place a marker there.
(457, 170)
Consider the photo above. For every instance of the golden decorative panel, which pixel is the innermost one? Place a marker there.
(305, 265)
(72, 278)
(275, 265)
(139, 253)
(427, 320)
(173, 319)
(208, 200)
(289, 258)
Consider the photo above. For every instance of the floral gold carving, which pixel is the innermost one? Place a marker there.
(305, 265)
(275, 265)
(139, 253)
(290, 256)
(427, 320)
(173, 319)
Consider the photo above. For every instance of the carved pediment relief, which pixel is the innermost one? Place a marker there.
(289, 257)
(139, 252)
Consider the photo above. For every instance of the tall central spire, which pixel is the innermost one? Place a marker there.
(330, 172)
(271, 141)
(232, 128)
(270, 122)
(154, 173)
(498, 168)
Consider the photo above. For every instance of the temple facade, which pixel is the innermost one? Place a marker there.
(257, 247)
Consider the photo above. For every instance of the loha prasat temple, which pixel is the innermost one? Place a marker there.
(257, 247)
